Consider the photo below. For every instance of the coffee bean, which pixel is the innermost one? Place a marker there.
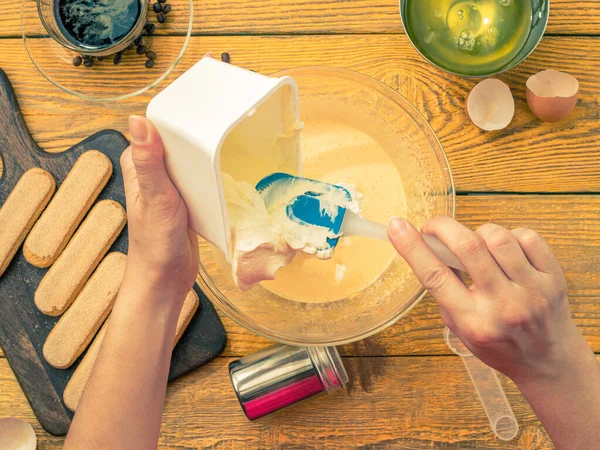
(161, 18)
(162, 1)
(150, 28)
(77, 61)
(225, 57)
(117, 59)
(138, 41)
(129, 47)
(100, 58)
(157, 7)
(167, 9)
(141, 50)
(88, 62)
(86, 57)
(150, 54)
(149, 64)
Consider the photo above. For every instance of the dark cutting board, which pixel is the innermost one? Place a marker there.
(23, 329)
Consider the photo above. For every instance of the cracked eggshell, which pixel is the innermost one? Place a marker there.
(491, 105)
(16, 434)
(552, 95)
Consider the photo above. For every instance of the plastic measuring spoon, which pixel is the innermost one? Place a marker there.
(307, 208)
(502, 419)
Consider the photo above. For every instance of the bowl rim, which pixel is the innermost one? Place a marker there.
(491, 74)
(213, 293)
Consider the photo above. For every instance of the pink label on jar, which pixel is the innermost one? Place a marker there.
(280, 398)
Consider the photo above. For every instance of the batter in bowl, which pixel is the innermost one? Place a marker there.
(334, 153)
(340, 154)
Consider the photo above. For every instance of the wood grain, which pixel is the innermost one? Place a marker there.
(529, 156)
(235, 17)
(394, 402)
(570, 223)
(408, 403)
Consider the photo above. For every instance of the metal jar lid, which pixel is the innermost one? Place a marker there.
(281, 375)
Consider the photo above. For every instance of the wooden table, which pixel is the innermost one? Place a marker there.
(407, 390)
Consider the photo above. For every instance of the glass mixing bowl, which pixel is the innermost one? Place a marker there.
(341, 98)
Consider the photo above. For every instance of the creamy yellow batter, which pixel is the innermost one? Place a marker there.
(337, 153)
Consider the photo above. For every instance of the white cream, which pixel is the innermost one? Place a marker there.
(264, 142)
(258, 247)
(340, 271)
(264, 238)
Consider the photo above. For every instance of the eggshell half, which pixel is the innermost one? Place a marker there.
(552, 95)
(16, 434)
(491, 105)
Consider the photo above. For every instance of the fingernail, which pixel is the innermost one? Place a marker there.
(138, 129)
(397, 226)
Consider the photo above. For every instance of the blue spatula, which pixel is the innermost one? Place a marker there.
(305, 206)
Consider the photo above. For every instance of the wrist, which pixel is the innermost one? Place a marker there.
(573, 366)
(143, 295)
(568, 403)
(156, 278)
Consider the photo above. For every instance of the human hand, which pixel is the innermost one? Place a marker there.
(515, 316)
(162, 251)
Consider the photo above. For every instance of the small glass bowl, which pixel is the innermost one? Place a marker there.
(340, 99)
(53, 55)
(540, 16)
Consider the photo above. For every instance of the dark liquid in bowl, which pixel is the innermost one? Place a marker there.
(97, 24)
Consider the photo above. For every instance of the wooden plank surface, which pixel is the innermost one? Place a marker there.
(235, 17)
(404, 403)
(395, 401)
(570, 223)
(529, 156)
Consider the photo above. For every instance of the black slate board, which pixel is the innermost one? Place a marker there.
(23, 329)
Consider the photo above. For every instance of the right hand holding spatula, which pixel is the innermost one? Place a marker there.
(514, 317)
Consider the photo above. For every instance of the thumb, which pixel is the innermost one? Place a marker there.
(147, 154)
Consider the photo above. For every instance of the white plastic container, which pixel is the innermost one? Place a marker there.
(215, 105)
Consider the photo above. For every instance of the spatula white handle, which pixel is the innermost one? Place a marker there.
(354, 225)
(443, 252)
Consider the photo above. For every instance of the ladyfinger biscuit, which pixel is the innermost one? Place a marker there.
(20, 211)
(190, 306)
(85, 250)
(77, 383)
(76, 328)
(73, 199)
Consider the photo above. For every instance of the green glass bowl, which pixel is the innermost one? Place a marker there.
(540, 13)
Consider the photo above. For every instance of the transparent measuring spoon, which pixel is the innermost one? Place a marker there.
(502, 419)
